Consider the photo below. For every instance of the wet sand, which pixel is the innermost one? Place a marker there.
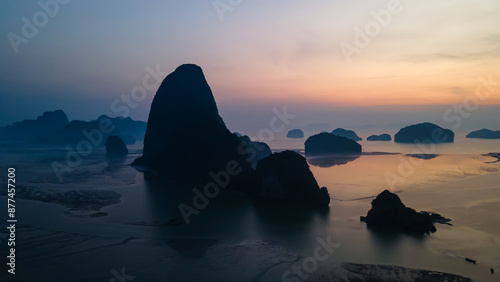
(144, 236)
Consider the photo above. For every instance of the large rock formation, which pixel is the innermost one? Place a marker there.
(31, 130)
(253, 151)
(381, 137)
(484, 134)
(346, 133)
(424, 133)
(389, 213)
(115, 146)
(286, 176)
(326, 143)
(186, 139)
(295, 133)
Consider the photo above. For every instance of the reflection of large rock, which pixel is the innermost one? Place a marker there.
(115, 146)
(346, 133)
(332, 160)
(381, 137)
(33, 130)
(389, 213)
(253, 151)
(326, 143)
(286, 176)
(186, 138)
(295, 133)
(485, 134)
(424, 133)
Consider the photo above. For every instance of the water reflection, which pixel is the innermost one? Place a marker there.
(331, 160)
(390, 245)
(423, 156)
(229, 216)
(114, 162)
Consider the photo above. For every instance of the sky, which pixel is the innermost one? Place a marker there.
(338, 63)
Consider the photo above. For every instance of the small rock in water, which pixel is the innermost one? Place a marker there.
(492, 272)
(470, 260)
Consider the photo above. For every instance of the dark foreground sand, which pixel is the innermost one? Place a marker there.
(138, 235)
(60, 256)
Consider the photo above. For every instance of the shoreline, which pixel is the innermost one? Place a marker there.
(231, 237)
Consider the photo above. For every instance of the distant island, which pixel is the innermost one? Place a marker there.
(327, 143)
(347, 133)
(424, 133)
(381, 137)
(484, 134)
(295, 133)
(389, 213)
(30, 130)
(53, 127)
(115, 146)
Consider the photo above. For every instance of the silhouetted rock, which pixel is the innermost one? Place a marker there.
(484, 134)
(253, 151)
(286, 176)
(186, 139)
(346, 133)
(99, 130)
(128, 127)
(424, 133)
(54, 128)
(115, 146)
(389, 213)
(37, 130)
(295, 133)
(381, 137)
(471, 260)
(237, 134)
(326, 143)
(95, 132)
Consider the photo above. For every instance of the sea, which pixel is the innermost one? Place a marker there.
(97, 219)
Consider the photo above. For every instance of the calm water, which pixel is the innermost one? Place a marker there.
(461, 145)
(459, 183)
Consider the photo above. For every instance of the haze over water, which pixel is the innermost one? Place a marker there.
(271, 66)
